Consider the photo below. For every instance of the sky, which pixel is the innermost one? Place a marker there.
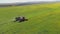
(10, 1)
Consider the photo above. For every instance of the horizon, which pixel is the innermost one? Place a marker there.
(12, 1)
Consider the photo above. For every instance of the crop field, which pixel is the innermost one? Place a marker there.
(42, 19)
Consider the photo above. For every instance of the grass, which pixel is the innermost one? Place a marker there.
(43, 19)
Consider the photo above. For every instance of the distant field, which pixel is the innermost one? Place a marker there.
(43, 19)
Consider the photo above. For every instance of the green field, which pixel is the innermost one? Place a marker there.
(42, 19)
